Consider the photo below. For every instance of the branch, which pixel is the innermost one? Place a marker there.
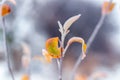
(6, 49)
(90, 40)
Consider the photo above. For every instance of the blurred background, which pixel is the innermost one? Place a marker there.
(34, 21)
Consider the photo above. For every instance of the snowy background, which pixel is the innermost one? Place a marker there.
(34, 21)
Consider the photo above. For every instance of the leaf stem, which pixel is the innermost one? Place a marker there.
(6, 49)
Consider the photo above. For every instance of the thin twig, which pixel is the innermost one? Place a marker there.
(60, 67)
(6, 49)
(60, 60)
(90, 40)
(88, 46)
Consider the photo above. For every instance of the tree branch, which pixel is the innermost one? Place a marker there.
(90, 40)
(6, 48)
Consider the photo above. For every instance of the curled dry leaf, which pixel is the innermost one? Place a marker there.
(70, 21)
(107, 7)
(52, 47)
(13, 1)
(25, 77)
(79, 40)
(4, 10)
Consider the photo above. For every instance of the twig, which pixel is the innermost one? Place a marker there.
(88, 46)
(60, 60)
(90, 40)
(60, 67)
(6, 49)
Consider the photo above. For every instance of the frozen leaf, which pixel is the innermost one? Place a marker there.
(26, 49)
(107, 7)
(25, 77)
(13, 1)
(79, 40)
(5, 10)
(61, 28)
(48, 57)
(52, 47)
(70, 21)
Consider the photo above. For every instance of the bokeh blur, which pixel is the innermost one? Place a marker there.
(34, 21)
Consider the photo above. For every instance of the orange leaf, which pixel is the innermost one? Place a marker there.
(25, 77)
(107, 7)
(5, 10)
(52, 47)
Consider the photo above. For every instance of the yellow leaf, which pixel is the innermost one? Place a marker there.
(52, 47)
(107, 7)
(5, 10)
(25, 77)
(79, 40)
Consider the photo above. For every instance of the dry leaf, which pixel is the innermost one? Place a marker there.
(79, 40)
(5, 10)
(25, 77)
(107, 7)
(70, 21)
(52, 47)
(13, 1)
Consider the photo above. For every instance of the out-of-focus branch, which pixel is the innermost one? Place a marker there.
(88, 46)
(6, 48)
(90, 40)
